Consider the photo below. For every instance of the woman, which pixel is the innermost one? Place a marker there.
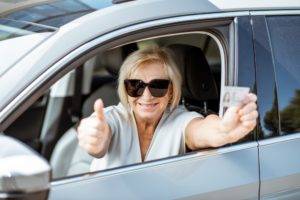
(149, 124)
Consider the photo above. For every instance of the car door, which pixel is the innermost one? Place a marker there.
(277, 50)
(230, 172)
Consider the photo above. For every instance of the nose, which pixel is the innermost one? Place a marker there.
(146, 94)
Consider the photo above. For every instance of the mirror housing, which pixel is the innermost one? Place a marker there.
(23, 173)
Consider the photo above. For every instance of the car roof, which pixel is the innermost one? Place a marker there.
(233, 5)
(133, 12)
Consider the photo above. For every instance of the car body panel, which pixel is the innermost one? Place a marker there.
(226, 173)
(280, 167)
(12, 50)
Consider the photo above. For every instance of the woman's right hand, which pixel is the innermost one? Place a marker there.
(94, 133)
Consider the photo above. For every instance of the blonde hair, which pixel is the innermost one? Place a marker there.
(151, 55)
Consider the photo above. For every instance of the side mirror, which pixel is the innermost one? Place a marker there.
(23, 173)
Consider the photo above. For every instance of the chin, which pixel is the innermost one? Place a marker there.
(147, 115)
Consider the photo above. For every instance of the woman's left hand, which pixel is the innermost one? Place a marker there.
(213, 131)
(238, 121)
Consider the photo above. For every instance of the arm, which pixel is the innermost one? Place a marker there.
(214, 131)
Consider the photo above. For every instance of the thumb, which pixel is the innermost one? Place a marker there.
(98, 108)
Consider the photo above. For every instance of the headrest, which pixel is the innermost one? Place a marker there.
(112, 61)
(198, 81)
(114, 58)
(108, 94)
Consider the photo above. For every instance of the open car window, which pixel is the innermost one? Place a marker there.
(198, 56)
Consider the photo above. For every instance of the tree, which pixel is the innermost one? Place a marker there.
(289, 116)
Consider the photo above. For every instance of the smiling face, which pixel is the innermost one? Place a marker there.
(146, 107)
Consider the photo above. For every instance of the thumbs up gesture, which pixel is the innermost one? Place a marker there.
(94, 133)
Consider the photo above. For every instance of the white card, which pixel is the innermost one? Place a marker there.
(232, 96)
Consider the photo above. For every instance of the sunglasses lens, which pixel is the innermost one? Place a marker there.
(159, 87)
(134, 87)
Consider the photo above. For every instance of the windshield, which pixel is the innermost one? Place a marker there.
(54, 13)
(11, 29)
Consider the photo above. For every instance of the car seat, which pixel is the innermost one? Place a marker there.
(199, 89)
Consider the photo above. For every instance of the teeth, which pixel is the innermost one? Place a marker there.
(148, 105)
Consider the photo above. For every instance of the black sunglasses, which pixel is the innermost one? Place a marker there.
(157, 87)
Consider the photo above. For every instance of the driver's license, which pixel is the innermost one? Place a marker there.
(232, 96)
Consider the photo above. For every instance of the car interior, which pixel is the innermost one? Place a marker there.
(49, 125)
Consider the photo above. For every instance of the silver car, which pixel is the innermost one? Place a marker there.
(51, 75)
